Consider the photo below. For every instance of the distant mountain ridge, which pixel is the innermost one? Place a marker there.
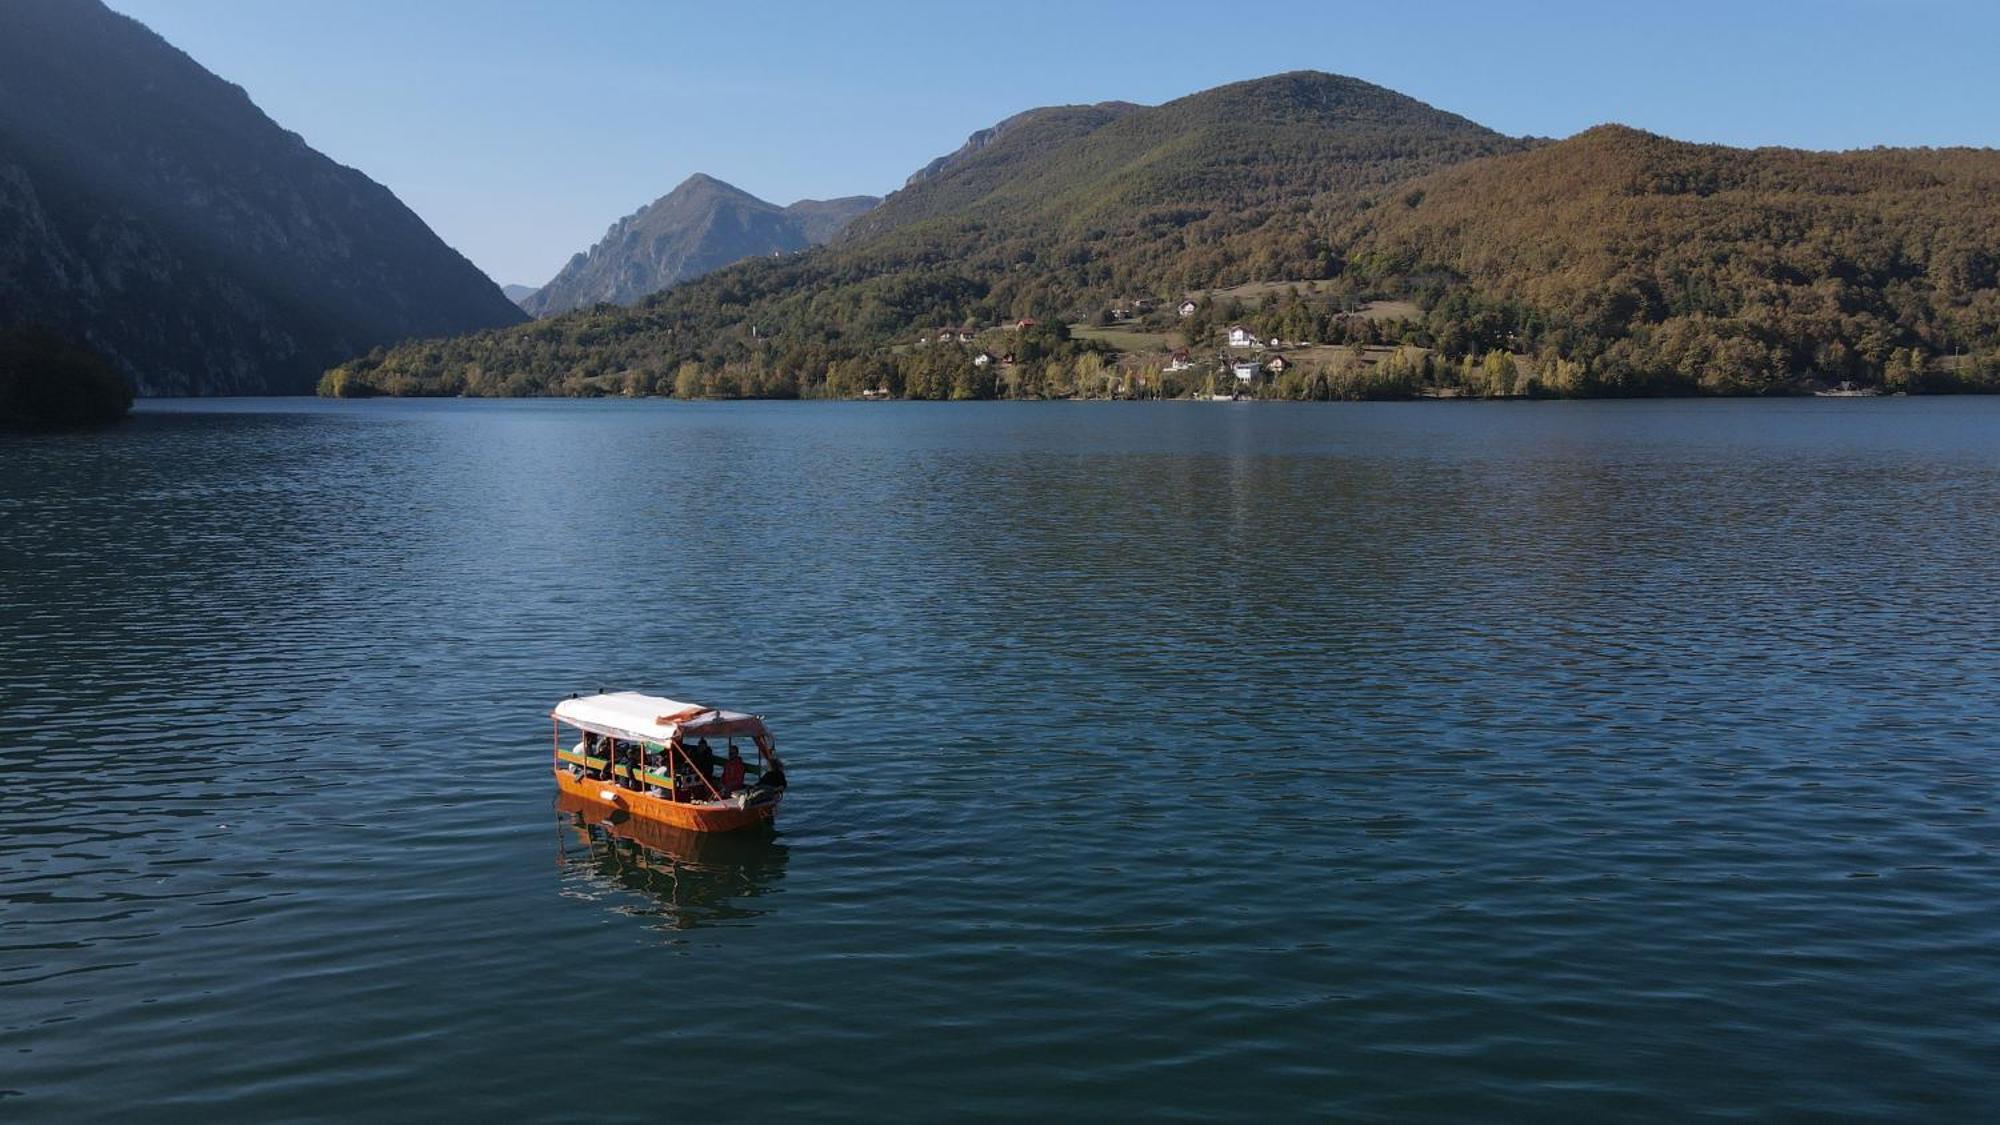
(1233, 184)
(150, 208)
(1611, 263)
(702, 225)
(822, 220)
(1025, 221)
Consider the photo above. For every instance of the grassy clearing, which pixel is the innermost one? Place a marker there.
(1132, 341)
(1252, 292)
(1392, 310)
(1327, 354)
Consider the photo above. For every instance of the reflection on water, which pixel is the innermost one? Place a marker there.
(1536, 761)
(693, 878)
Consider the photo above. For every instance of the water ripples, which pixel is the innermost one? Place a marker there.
(1589, 760)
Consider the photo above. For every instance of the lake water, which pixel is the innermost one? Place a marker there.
(1518, 761)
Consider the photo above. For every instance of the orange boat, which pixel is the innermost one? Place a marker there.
(651, 757)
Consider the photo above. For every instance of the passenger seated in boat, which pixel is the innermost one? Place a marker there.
(732, 773)
(704, 759)
(684, 759)
(773, 776)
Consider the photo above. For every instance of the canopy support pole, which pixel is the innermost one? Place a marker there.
(682, 751)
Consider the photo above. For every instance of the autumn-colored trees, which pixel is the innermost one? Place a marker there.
(1612, 263)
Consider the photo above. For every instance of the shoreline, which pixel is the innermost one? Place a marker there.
(1799, 396)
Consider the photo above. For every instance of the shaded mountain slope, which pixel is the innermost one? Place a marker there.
(150, 208)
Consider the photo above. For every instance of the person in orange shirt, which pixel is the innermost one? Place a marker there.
(732, 772)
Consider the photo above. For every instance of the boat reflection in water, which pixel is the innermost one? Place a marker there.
(695, 878)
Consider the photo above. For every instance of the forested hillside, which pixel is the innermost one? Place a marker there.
(1059, 207)
(1614, 262)
(1652, 264)
(1231, 184)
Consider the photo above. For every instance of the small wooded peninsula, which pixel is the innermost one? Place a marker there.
(47, 381)
(1310, 236)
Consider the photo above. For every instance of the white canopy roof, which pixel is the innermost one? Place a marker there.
(652, 718)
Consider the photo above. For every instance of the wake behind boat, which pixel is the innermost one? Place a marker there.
(651, 757)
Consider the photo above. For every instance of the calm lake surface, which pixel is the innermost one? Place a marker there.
(1454, 761)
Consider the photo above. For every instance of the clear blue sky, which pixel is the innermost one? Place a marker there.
(520, 130)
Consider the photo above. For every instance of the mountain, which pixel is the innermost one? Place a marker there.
(1040, 215)
(518, 293)
(701, 225)
(1139, 196)
(149, 208)
(1613, 262)
(1089, 117)
(1657, 265)
(991, 159)
(821, 219)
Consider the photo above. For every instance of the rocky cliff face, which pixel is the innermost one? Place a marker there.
(149, 208)
(703, 224)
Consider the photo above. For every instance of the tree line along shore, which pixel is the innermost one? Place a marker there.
(1304, 340)
(1301, 209)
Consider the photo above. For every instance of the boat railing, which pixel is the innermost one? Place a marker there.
(588, 762)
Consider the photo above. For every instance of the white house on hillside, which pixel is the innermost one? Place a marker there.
(1241, 337)
(1187, 308)
(1244, 370)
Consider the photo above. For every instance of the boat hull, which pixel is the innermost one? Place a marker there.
(693, 818)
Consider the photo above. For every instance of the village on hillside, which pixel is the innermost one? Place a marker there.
(1259, 340)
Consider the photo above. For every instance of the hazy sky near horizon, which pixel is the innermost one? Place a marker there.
(521, 129)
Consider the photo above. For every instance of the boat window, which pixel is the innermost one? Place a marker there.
(693, 767)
